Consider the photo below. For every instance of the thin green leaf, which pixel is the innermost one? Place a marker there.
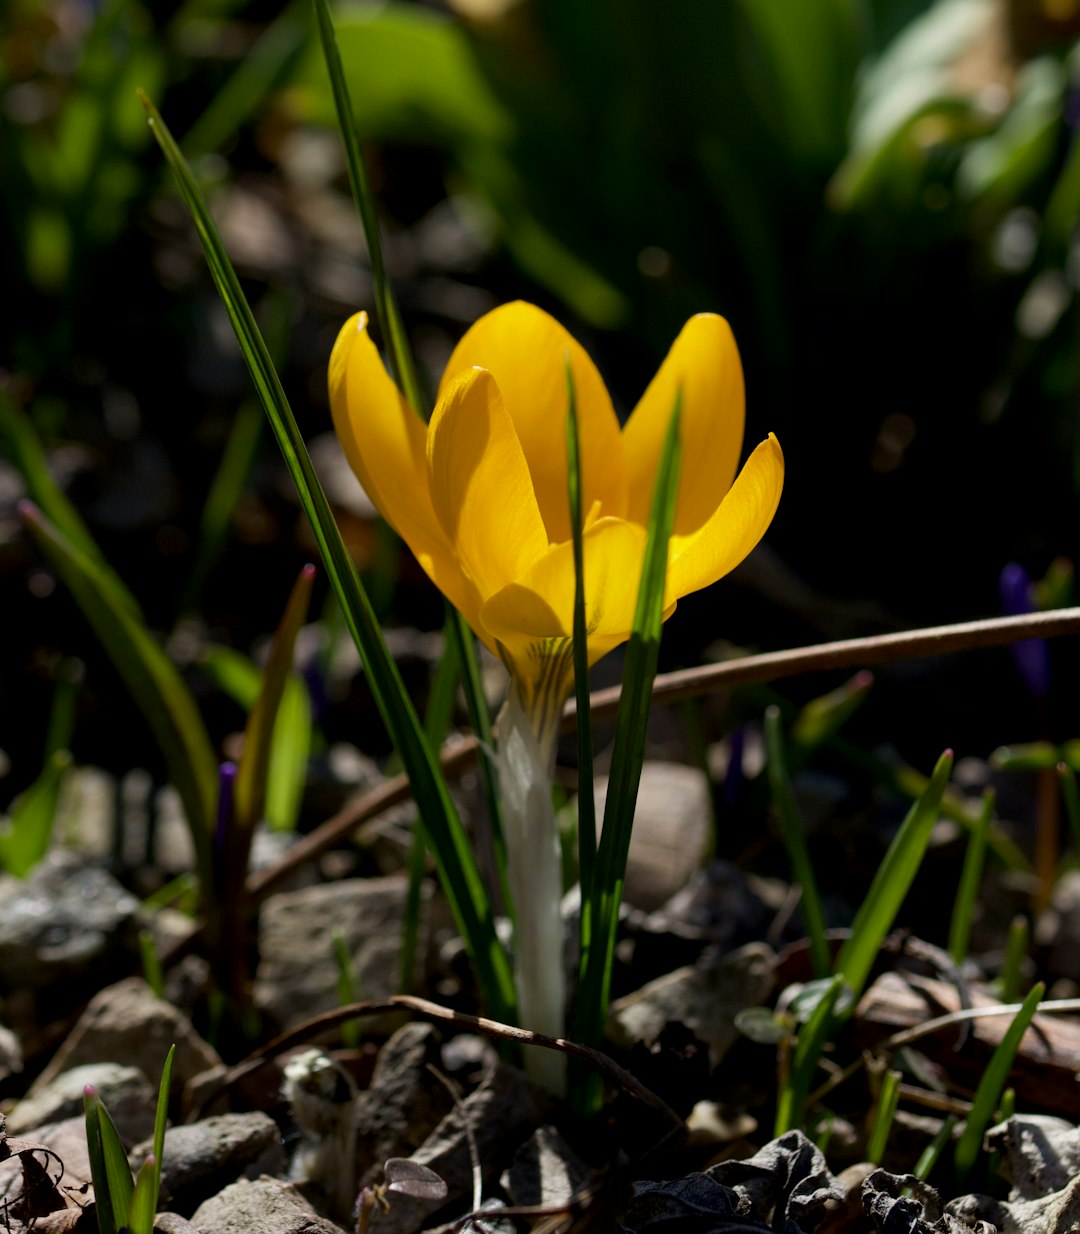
(457, 865)
(23, 447)
(472, 686)
(143, 1206)
(888, 1099)
(109, 1167)
(992, 1084)
(928, 1158)
(153, 974)
(791, 831)
(403, 368)
(822, 718)
(892, 881)
(586, 813)
(154, 684)
(346, 987)
(29, 828)
(401, 363)
(1016, 949)
(251, 774)
(161, 1111)
(240, 678)
(792, 1100)
(628, 754)
(967, 893)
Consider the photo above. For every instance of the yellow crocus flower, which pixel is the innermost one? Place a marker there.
(480, 494)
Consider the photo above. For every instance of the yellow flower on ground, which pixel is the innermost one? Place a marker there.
(480, 494)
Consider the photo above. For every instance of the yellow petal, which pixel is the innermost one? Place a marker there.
(385, 443)
(704, 364)
(540, 606)
(699, 559)
(525, 350)
(383, 438)
(480, 484)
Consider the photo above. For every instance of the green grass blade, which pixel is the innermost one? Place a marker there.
(161, 1112)
(791, 831)
(22, 445)
(928, 1158)
(31, 820)
(143, 1206)
(399, 353)
(888, 1100)
(255, 762)
(154, 684)
(586, 798)
(628, 754)
(992, 1085)
(457, 630)
(346, 987)
(108, 1165)
(1016, 949)
(153, 973)
(457, 865)
(240, 678)
(822, 718)
(892, 881)
(812, 1038)
(967, 893)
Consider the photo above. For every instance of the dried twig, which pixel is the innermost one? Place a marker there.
(692, 683)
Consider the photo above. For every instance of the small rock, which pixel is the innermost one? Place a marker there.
(126, 1092)
(173, 1223)
(404, 1102)
(672, 830)
(705, 998)
(201, 1158)
(545, 1171)
(265, 1206)
(500, 1113)
(297, 975)
(126, 1023)
(11, 1055)
(64, 922)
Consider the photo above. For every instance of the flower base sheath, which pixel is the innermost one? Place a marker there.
(480, 493)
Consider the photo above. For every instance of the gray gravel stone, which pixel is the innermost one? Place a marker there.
(126, 1023)
(297, 975)
(62, 922)
(265, 1206)
(127, 1093)
(201, 1158)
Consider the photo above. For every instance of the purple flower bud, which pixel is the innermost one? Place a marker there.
(1031, 656)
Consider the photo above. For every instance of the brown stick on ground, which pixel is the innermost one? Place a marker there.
(692, 683)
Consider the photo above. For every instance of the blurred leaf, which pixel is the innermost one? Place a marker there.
(239, 678)
(143, 1205)
(814, 47)
(823, 717)
(411, 75)
(1001, 168)
(260, 731)
(25, 840)
(790, 1106)
(23, 447)
(157, 688)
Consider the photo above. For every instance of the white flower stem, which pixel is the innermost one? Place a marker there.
(526, 764)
